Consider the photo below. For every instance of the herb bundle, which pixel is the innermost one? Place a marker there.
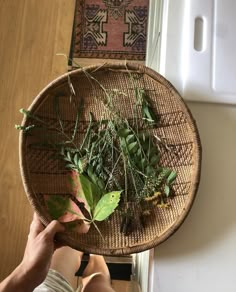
(116, 165)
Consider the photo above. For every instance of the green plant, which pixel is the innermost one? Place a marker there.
(117, 164)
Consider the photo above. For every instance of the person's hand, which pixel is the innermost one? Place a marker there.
(37, 257)
(40, 248)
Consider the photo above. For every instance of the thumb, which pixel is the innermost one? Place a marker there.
(52, 228)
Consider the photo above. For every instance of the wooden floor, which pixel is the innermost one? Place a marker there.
(32, 32)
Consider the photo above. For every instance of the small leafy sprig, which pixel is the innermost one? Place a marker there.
(148, 114)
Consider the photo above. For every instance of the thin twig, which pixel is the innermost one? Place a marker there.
(113, 170)
(95, 225)
(88, 130)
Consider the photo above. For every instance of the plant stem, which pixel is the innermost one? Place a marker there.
(126, 184)
(88, 131)
(95, 225)
(113, 170)
(52, 128)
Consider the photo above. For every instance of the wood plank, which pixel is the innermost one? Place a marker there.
(31, 34)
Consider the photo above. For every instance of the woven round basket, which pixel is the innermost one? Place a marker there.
(43, 175)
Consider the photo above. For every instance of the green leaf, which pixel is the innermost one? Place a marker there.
(130, 138)
(167, 190)
(123, 143)
(171, 177)
(94, 178)
(147, 114)
(57, 206)
(165, 172)
(106, 205)
(150, 170)
(24, 128)
(142, 137)
(88, 192)
(101, 184)
(71, 166)
(91, 175)
(66, 159)
(90, 170)
(80, 165)
(133, 147)
(123, 132)
(139, 152)
(76, 159)
(146, 145)
(154, 160)
(143, 163)
(68, 155)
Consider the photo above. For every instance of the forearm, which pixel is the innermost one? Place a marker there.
(37, 258)
(19, 280)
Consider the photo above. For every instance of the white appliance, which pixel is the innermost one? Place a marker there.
(193, 44)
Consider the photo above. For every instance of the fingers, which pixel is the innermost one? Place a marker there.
(36, 226)
(47, 233)
(52, 229)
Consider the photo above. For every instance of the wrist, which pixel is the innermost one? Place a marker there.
(25, 280)
(19, 280)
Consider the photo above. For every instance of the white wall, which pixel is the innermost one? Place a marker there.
(201, 256)
(141, 269)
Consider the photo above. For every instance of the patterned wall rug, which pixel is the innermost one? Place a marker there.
(113, 29)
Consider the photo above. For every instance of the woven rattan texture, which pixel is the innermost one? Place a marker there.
(43, 175)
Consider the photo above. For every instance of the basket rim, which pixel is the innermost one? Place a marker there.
(66, 238)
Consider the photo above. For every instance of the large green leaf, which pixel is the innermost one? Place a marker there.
(57, 205)
(106, 205)
(88, 192)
